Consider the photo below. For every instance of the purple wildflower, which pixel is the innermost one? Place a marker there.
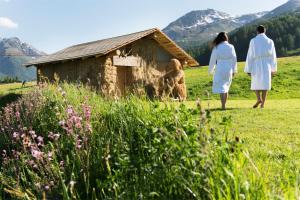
(16, 136)
(40, 140)
(32, 133)
(50, 156)
(47, 187)
(53, 136)
(37, 154)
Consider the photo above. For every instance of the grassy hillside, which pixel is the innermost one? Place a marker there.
(286, 83)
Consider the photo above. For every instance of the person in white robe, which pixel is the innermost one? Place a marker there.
(261, 65)
(223, 65)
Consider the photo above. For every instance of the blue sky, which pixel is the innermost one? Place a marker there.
(51, 25)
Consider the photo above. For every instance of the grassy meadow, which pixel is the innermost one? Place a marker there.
(286, 83)
(99, 149)
(12, 91)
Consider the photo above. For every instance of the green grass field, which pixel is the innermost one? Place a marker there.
(286, 83)
(271, 135)
(11, 92)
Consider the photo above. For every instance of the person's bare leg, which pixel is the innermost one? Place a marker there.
(223, 100)
(226, 98)
(264, 97)
(259, 101)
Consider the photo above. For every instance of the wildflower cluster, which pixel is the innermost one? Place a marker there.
(25, 138)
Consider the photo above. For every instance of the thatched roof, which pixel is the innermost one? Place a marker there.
(103, 47)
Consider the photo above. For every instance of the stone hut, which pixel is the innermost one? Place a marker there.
(144, 61)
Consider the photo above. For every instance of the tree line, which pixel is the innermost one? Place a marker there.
(284, 30)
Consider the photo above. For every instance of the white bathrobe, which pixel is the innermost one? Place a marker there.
(223, 63)
(261, 62)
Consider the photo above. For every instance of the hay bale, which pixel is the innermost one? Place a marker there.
(109, 78)
(172, 84)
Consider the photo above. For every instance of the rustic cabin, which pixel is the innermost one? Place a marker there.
(147, 60)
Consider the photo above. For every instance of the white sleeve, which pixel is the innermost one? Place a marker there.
(274, 61)
(249, 61)
(213, 61)
(234, 61)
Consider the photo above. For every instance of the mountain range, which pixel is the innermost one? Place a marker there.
(13, 54)
(198, 27)
(191, 31)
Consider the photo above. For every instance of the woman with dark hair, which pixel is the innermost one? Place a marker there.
(223, 64)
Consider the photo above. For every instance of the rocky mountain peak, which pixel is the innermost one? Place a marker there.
(15, 47)
(202, 25)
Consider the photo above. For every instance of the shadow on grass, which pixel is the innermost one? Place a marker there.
(220, 109)
(9, 98)
(21, 88)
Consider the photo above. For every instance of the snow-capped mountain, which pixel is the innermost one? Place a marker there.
(200, 18)
(198, 27)
(248, 18)
(13, 54)
(15, 47)
(290, 6)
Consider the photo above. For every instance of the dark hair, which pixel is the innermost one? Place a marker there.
(222, 37)
(261, 29)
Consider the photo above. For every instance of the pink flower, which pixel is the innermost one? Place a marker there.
(78, 125)
(17, 115)
(53, 136)
(79, 144)
(50, 156)
(87, 112)
(16, 135)
(62, 123)
(70, 110)
(32, 133)
(89, 127)
(37, 154)
(47, 187)
(30, 162)
(40, 140)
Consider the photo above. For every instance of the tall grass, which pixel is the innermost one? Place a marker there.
(66, 142)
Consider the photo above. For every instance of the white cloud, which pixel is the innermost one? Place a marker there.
(7, 23)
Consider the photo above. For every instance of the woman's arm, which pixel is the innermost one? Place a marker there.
(234, 61)
(213, 61)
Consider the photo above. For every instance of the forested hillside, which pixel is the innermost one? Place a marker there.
(284, 30)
